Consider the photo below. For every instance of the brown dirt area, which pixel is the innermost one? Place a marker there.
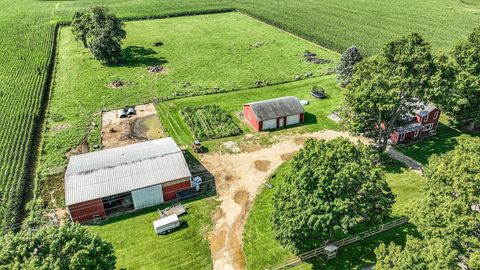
(238, 180)
(144, 125)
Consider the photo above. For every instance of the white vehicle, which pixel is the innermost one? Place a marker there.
(166, 224)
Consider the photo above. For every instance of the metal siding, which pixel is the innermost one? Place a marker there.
(85, 211)
(108, 181)
(275, 108)
(148, 196)
(269, 124)
(170, 191)
(293, 119)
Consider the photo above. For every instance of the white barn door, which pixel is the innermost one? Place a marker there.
(269, 124)
(293, 119)
(148, 196)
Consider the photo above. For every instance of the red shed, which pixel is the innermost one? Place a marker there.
(423, 123)
(126, 178)
(274, 113)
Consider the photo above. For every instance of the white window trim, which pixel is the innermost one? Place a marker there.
(425, 118)
(428, 127)
(402, 137)
(416, 133)
(435, 116)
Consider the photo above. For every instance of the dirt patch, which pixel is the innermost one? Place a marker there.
(60, 127)
(288, 156)
(82, 148)
(157, 70)
(240, 197)
(144, 125)
(238, 181)
(249, 148)
(262, 165)
(300, 140)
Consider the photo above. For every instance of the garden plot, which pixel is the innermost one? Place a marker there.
(210, 122)
(142, 126)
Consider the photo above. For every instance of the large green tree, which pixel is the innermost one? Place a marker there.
(330, 188)
(467, 84)
(447, 218)
(385, 88)
(70, 246)
(346, 67)
(81, 27)
(107, 33)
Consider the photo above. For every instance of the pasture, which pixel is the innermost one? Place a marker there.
(200, 54)
(28, 34)
(262, 250)
(138, 247)
(315, 116)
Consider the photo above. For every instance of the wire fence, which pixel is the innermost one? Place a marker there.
(340, 243)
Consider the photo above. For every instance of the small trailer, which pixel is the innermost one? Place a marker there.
(166, 224)
(176, 209)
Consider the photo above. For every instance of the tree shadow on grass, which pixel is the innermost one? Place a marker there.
(361, 254)
(137, 56)
(445, 140)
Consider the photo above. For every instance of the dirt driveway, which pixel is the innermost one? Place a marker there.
(238, 179)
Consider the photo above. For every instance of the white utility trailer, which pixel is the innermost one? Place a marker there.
(166, 224)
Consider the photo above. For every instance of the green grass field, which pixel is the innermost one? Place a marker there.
(315, 116)
(204, 51)
(138, 247)
(27, 33)
(446, 139)
(262, 250)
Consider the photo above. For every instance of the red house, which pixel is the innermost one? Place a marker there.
(123, 179)
(274, 113)
(422, 124)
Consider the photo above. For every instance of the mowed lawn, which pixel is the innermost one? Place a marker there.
(315, 113)
(262, 250)
(200, 53)
(448, 136)
(138, 247)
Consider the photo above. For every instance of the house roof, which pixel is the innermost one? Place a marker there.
(274, 108)
(122, 169)
(423, 108)
(408, 127)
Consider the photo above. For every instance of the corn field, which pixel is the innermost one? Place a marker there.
(25, 58)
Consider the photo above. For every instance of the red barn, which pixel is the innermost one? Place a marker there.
(274, 113)
(126, 178)
(423, 123)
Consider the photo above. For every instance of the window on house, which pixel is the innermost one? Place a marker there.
(425, 118)
(428, 127)
(416, 133)
(402, 136)
(435, 116)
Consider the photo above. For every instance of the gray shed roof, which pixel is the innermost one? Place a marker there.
(122, 169)
(277, 107)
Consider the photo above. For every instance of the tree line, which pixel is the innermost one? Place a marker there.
(381, 90)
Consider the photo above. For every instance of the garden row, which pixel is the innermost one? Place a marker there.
(210, 122)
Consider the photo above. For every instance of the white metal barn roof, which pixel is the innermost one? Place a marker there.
(122, 169)
(277, 107)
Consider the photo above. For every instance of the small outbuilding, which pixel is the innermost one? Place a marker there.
(122, 179)
(274, 113)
